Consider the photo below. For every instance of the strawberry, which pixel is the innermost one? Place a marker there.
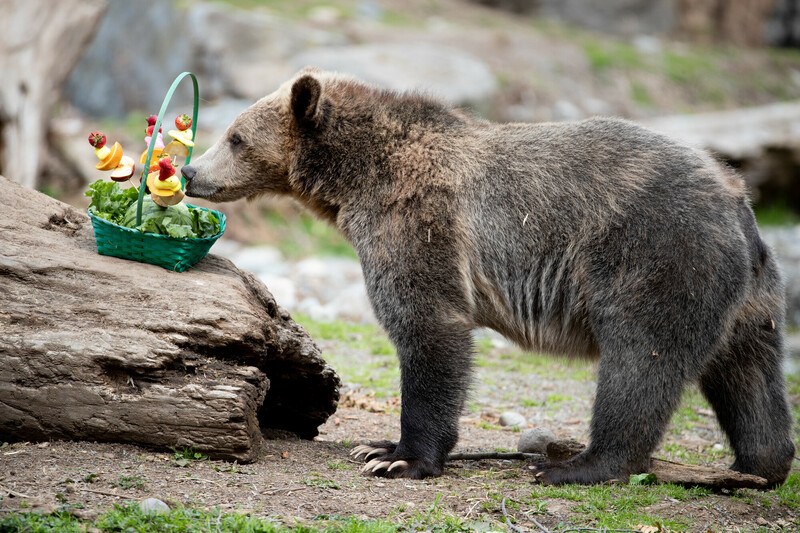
(151, 124)
(97, 139)
(183, 122)
(165, 168)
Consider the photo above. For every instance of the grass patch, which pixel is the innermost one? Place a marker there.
(535, 364)
(129, 518)
(357, 336)
(604, 54)
(687, 415)
(776, 214)
(378, 370)
(131, 482)
(788, 494)
(640, 94)
(620, 506)
(300, 234)
(321, 483)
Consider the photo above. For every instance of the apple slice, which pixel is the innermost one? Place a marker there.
(175, 148)
(174, 199)
(124, 171)
(158, 200)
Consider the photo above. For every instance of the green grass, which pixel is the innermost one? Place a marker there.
(357, 336)
(604, 54)
(129, 518)
(776, 214)
(640, 94)
(535, 364)
(379, 371)
(687, 415)
(131, 482)
(619, 506)
(300, 234)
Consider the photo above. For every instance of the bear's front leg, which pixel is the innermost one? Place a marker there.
(435, 370)
(435, 352)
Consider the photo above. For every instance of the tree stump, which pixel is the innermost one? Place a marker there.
(40, 42)
(99, 348)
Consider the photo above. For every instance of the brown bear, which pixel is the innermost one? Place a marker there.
(596, 238)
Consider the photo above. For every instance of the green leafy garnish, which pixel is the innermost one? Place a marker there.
(119, 205)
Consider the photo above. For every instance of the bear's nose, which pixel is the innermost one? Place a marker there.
(188, 172)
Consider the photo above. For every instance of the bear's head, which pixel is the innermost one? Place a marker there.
(254, 155)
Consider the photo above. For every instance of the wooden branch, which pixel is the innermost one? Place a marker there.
(493, 455)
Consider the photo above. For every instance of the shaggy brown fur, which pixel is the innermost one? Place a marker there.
(596, 238)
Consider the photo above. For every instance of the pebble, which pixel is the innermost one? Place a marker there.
(510, 418)
(535, 440)
(154, 506)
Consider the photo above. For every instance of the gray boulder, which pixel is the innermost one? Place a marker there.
(135, 54)
(623, 17)
(535, 440)
(512, 419)
(444, 72)
(245, 53)
(786, 243)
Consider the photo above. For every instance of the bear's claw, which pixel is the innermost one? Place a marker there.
(385, 462)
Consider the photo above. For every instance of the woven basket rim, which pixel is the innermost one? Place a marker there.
(221, 216)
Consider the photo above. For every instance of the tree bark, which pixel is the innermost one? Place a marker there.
(40, 42)
(99, 348)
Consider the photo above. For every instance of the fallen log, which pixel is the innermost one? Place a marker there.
(100, 348)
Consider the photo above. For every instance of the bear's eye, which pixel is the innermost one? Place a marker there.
(235, 140)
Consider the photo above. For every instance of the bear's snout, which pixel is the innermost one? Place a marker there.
(188, 172)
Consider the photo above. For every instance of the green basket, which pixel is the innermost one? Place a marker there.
(162, 250)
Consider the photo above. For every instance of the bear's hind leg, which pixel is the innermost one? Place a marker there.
(745, 386)
(637, 391)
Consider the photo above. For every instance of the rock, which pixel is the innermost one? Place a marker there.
(282, 288)
(510, 418)
(94, 349)
(535, 440)
(445, 72)
(132, 59)
(245, 53)
(566, 110)
(786, 243)
(153, 506)
(621, 17)
(352, 303)
(738, 133)
(260, 260)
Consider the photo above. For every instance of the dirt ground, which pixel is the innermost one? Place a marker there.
(295, 481)
(298, 480)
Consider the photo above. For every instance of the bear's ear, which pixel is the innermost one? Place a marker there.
(305, 98)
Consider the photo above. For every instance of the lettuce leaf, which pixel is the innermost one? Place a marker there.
(110, 201)
(116, 204)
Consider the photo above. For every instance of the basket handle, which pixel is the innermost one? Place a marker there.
(153, 138)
